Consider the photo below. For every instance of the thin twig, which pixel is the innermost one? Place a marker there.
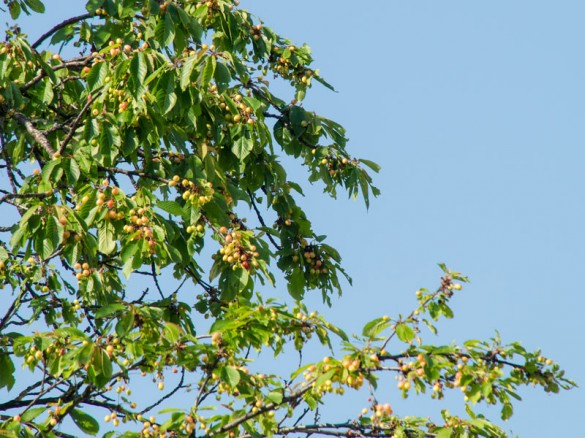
(170, 394)
(155, 277)
(261, 219)
(76, 121)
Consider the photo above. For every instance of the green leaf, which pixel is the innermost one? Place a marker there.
(3, 253)
(164, 31)
(54, 233)
(92, 5)
(444, 432)
(231, 375)
(275, 397)
(46, 94)
(14, 8)
(109, 309)
(138, 68)
(186, 71)
(31, 414)
(507, 410)
(72, 170)
(106, 237)
(110, 137)
(242, 147)
(374, 166)
(375, 327)
(102, 367)
(172, 332)
(165, 95)
(234, 282)
(222, 74)
(125, 324)
(97, 75)
(208, 70)
(6, 371)
(296, 284)
(171, 207)
(85, 422)
(405, 333)
(128, 251)
(323, 82)
(336, 330)
(36, 5)
(49, 168)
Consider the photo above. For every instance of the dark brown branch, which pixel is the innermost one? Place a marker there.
(9, 167)
(11, 310)
(339, 430)
(59, 26)
(25, 196)
(77, 62)
(37, 135)
(133, 173)
(268, 407)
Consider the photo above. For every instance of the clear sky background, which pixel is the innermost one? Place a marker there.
(475, 111)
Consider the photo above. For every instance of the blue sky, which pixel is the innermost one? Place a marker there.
(475, 111)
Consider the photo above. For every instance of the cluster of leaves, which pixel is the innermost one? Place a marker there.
(155, 154)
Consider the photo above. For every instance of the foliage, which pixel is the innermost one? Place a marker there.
(155, 172)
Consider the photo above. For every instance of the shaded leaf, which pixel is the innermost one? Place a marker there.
(208, 70)
(85, 422)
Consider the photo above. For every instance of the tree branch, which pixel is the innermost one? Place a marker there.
(133, 173)
(59, 26)
(25, 196)
(37, 135)
(76, 62)
(270, 406)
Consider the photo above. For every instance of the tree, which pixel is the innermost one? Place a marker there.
(156, 227)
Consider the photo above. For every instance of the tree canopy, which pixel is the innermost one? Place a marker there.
(149, 228)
